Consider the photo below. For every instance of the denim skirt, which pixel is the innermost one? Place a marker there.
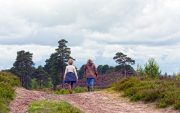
(70, 77)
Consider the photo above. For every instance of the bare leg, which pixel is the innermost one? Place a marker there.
(70, 89)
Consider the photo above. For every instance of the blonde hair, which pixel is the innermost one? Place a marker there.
(70, 61)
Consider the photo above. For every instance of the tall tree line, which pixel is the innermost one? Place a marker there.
(52, 71)
(51, 74)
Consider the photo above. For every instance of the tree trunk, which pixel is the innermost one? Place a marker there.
(125, 70)
(21, 80)
(125, 73)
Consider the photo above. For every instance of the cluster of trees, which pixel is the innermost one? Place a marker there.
(23, 67)
(151, 69)
(103, 69)
(57, 62)
(124, 66)
(51, 74)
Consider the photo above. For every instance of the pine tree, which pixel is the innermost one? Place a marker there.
(23, 67)
(41, 77)
(57, 62)
(123, 60)
(152, 68)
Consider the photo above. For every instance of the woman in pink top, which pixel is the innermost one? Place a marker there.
(90, 73)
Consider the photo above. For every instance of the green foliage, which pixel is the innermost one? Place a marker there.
(177, 105)
(41, 79)
(152, 69)
(3, 108)
(140, 71)
(9, 78)
(77, 89)
(122, 59)
(7, 93)
(125, 62)
(34, 84)
(23, 67)
(52, 107)
(178, 76)
(164, 92)
(62, 91)
(30, 77)
(102, 69)
(55, 65)
(125, 84)
(81, 72)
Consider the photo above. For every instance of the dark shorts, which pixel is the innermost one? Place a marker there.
(70, 78)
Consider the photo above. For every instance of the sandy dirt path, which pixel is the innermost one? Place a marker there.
(95, 102)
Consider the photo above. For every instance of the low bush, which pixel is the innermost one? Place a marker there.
(61, 91)
(9, 78)
(7, 93)
(177, 105)
(77, 89)
(164, 92)
(3, 107)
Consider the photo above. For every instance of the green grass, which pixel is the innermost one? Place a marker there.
(75, 90)
(52, 107)
(164, 92)
(7, 93)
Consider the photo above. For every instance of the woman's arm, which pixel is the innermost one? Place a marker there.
(95, 70)
(65, 73)
(75, 73)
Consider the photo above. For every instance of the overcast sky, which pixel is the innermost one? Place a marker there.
(95, 29)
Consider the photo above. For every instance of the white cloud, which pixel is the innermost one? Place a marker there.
(9, 53)
(94, 28)
(119, 20)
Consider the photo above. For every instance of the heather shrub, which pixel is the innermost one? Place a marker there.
(79, 89)
(9, 78)
(177, 105)
(7, 92)
(3, 107)
(125, 83)
(62, 91)
(163, 92)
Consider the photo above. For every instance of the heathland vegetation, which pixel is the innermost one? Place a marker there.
(148, 86)
(146, 83)
(7, 93)
(51, 74)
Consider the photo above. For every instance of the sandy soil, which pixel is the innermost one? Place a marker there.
(95, 102)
